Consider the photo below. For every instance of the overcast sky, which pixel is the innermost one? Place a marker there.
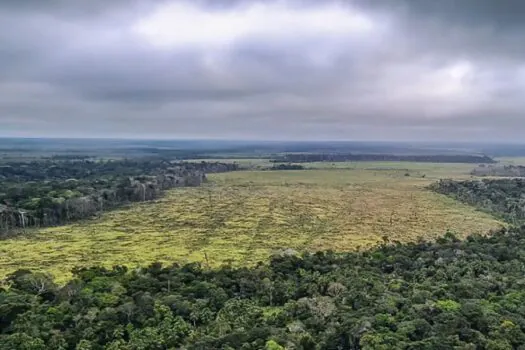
(287, 70)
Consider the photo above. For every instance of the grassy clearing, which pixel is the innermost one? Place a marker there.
(432, 170)
(242, 217)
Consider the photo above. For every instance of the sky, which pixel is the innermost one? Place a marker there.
(411, 70)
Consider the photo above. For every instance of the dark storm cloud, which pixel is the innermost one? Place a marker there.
(502, 14)
(364, 69)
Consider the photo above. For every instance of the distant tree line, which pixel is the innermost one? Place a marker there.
(504, 198)
(85, 168)
(47, 193)
(286, 166)
(345, 157)
(499, 170)
(449, 294)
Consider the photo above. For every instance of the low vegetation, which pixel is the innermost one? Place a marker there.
(449, 294)
(243, 217)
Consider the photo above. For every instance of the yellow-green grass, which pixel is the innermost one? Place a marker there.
(242, 217)
(432, 170)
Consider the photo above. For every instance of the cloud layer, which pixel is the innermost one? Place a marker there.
(382, 70)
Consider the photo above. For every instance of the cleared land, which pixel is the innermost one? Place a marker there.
(242, 217)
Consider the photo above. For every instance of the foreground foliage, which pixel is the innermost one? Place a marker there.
(504, 198)
(443, 295)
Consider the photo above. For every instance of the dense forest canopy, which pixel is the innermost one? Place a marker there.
(53, 192)
(344, 157)
(504, 198)
(58, 169)
(446, 295)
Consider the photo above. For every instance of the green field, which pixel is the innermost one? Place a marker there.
(242, 217)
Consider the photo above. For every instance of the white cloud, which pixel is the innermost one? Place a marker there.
(449, 82)
(424, 90)
(182, 24)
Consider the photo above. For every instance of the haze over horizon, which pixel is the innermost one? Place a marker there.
(264, 70)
